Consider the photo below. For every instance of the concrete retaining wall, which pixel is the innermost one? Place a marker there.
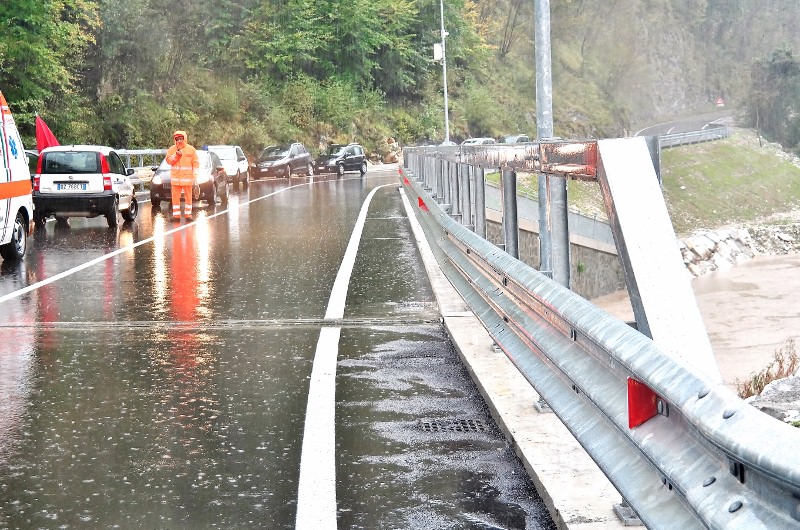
(595, 268)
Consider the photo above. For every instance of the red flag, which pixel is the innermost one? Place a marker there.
(44, 136)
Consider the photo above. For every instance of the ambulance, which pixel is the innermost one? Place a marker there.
(16, 202)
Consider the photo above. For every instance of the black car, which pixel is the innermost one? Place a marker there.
(283, 161)
(339, 158)
(212, 181)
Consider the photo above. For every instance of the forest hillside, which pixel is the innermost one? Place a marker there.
(253, 72)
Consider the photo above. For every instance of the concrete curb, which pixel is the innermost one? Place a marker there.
(575, 491)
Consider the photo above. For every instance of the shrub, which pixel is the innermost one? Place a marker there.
(784, 364)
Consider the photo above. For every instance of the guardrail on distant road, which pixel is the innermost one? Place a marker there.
(711, 133)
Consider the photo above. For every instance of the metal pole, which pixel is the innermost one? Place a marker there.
(444, 76)
(510, 219)
(553, 213)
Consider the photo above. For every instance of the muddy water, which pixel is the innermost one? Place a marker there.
(750, 312)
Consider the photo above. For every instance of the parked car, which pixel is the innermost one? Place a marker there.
(516, 139)
(33, 160)
(478, 141)
(235, 161)
(16, 204)
(283, 161)
(212, 181)
(340, 158)
(82, 181)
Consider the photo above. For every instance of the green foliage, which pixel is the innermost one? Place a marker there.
(252, 72)
(42, 44)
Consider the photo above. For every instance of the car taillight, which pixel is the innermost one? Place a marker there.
(106, 170)
(36, 182)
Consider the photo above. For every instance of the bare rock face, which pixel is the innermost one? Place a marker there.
(712, 250)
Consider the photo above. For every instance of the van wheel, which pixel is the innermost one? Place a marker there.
(130, 214)
(15, 249)
(111, 214)
(246, 180)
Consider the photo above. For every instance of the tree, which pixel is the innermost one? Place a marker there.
(42, 45)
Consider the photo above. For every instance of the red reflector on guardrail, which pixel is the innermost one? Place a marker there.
(642, 403)
(405, 181)
(422, 205)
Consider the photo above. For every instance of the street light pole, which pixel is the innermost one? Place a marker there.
(444, 76)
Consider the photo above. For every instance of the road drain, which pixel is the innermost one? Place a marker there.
(454, 426)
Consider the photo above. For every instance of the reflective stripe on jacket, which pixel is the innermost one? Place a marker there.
(185, 167)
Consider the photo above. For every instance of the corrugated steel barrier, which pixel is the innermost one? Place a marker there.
(682, 449)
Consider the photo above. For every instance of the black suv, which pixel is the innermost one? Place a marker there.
(339, 158)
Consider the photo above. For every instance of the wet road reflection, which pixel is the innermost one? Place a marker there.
(166, 386)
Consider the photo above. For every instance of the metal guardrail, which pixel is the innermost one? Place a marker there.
(683, 450)
(145, 159)
(709, 134)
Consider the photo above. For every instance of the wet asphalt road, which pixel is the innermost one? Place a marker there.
(160, 378)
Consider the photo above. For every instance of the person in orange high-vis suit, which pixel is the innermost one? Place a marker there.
(185, 166)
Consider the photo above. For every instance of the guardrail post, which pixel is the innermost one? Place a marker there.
(480, 201)
(445, 190)
(510, 219)
(455, 186)
(438, 188)
(466, 198)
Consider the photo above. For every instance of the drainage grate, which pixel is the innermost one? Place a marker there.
(454, 426)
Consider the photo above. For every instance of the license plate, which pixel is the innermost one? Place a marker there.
(79, 186)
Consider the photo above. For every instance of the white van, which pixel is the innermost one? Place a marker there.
(16, 202)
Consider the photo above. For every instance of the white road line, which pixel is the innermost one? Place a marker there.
(316, 492)
(339, 291)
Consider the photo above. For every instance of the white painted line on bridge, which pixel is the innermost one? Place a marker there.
(316, 492)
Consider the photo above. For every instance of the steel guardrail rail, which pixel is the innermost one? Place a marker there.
(145, 158)
(705, 460)
(715, 132)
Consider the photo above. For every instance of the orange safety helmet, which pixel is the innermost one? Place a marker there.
(180, 133)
